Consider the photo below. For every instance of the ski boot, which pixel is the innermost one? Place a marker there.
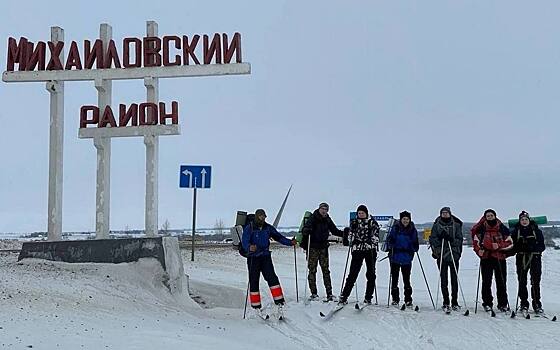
(504, 308)
(313, 297)
(487, 308)
(446, 309)
(456, 307)
(367, 301)
(329, 298)
(395, 303)
(342, 301)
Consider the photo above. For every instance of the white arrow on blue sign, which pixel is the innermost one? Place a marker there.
(195, 176)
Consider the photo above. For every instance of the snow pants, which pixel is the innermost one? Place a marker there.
(263, 264)
(358, 257)
(493, 267)
(529, 262)
(405, 269)
(319, 256)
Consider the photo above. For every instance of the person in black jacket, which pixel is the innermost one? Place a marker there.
(528, 243)
(447, 230)
(315, 237)
(364, 238)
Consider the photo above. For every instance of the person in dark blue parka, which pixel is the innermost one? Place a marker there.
(402, 243)
(256, 241)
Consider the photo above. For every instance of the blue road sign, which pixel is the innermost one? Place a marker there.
(195, 176)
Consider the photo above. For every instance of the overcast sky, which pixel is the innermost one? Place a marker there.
(394, 104)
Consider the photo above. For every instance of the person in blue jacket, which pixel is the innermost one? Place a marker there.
(402, 243)
(256, 241)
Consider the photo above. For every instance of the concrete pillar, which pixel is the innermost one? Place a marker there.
(152, 152)
(56, 143)
(103, 146)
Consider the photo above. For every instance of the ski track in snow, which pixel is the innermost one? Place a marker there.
(51, 305)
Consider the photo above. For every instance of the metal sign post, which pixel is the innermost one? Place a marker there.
(194, 176)
(193, 223)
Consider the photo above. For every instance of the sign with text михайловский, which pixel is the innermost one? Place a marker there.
(149, 58)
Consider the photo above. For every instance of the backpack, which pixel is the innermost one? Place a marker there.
(240, 227)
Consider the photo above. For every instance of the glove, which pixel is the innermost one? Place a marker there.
(346, 230)
(294, 242)
(252, 248)
(480, 253)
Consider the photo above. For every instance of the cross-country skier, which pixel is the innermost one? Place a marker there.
(402, 243)
(491, 242)
(364, 238)
(315, 236)
(256, 241)
(528, 243)
(447, 229)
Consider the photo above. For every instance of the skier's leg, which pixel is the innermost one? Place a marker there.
(254, 265)
(272, 279)
(395, 269)
(355, 266)
(312, 261)
(521, 281)
(406, 270)
(444, 266)
(454, 284)
(324, 263)
(370, 257)
(486, 270)
(536, 272)
(501, 283)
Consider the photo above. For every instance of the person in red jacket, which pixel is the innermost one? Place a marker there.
(491, 242)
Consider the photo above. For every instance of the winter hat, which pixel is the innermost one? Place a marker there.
(405, 214)
(447, 209)
(260, 212)
(524, 214)
(363, 208)
(490, 211)
(324, 205)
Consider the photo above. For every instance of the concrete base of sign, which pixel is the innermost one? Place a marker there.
(164, 249)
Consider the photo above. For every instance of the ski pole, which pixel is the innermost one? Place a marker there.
(425, 280)
(307, 261)
(357, 306)
(440, 263)
(345, 268)
(374, 261)
(295, 267)
(389, 288)
(246, 299)
(478, 285)
(458, 279)
(248, 284)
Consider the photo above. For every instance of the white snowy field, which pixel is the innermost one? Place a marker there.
(51, 305)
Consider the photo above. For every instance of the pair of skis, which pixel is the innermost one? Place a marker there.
(527, 315)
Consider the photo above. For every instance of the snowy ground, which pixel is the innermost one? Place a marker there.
(47, 305)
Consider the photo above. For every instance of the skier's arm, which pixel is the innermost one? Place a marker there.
(507, 242)
(278, 237)
(435, 241)
(540, 246)
(415, 244)
(477, 245)
(334, 230)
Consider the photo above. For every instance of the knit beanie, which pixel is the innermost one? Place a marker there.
(364, 209)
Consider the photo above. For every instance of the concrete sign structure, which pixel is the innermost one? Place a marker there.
(149, 58)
